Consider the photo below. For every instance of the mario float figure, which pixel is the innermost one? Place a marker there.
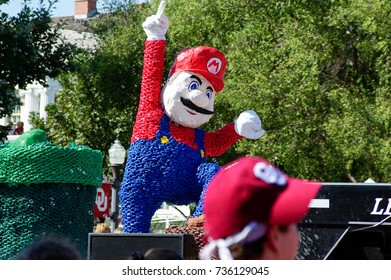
(168, 152)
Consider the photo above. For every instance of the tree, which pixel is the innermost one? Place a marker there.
(317, 72)
(29, 51)
(323, 95)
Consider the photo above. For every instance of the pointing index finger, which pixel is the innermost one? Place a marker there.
(161, 8)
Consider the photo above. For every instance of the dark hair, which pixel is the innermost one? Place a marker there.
(136, 256)
(50, 249)
(156, 254)
(162, 254)
(252, 250)
(248, 251)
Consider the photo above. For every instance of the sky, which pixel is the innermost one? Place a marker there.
(61, 8)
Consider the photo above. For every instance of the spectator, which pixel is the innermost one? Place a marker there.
(156, 254)
(252, 210)
(102, 228)
(10, 130)
(162, 254)
(19, 128)
(50, 248)
(136, 256)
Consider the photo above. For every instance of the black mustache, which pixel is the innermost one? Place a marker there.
(194, 107)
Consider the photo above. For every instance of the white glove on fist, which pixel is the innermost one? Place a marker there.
(249, 125)
(156, 27)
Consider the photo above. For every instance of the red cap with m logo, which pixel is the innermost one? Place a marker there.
(206, 61)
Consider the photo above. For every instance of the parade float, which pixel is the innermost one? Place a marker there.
(46, 190)
(168, 154)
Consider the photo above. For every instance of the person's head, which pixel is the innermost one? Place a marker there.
(19, 124)
(252, 210)
(102, 228)
(10, 125)
(50, 248)
(195, 77)
(156, 254)
(161, 254)
(136, 256)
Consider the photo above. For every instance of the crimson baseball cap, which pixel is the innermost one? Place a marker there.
(252, 189)
(206, 61)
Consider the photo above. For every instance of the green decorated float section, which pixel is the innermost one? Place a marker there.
(46, 190)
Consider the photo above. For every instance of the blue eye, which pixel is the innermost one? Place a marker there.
(193, 86)
(209, 94)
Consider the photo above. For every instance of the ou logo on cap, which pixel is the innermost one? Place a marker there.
(214, 65)
(269, 174)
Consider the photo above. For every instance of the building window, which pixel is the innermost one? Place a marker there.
(15, 117)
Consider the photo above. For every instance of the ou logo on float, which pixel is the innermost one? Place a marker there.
(102, 201)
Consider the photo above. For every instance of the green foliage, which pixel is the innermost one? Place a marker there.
(29, 51)
(38, 122)
(114, 6)
(317, 73)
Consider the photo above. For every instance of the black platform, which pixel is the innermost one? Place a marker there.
(119, 246)
(348, 221)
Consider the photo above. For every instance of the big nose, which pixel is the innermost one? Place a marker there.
(199, 98)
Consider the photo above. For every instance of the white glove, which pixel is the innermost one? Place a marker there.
(249, 125)
(156, 26)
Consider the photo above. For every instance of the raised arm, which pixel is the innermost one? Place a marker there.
(150, 111)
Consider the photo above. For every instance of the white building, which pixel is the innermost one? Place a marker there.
(36, 97)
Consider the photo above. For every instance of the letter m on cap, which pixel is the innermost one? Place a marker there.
(214, 65)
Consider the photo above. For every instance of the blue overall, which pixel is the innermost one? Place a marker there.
(161, 170)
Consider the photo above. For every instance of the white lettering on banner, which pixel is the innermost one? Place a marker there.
(377, 211)
(319, 203)
(101, 200)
